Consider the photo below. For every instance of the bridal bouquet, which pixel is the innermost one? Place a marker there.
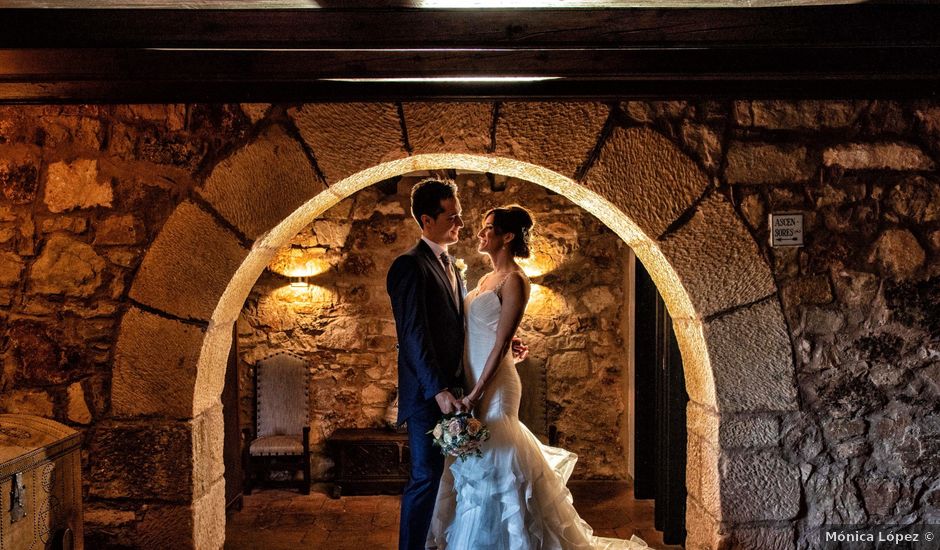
(460, 435)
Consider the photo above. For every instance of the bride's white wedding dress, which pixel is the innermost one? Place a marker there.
(513, 497)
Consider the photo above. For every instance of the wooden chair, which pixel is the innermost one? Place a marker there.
(282, 433)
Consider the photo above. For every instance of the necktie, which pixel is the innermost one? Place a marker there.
(445, 259)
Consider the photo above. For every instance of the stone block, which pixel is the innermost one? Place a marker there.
(448, 127)
(751, 359)
(273, 171)
(712, 485)
(167, 527)
(209, 517)
(917, 200)
(71, 131)
(758, 486)
(703, 529)
(213, 360)
(649, 111)
(75, 185)
(704, 141)
(749, 431)
(68, 267)
(77, 407)
(763, 538)
(878, 156)
(155, 366)
(19, 175)
(717, 260)
(150, 460)
(568, 365)
(189, 265)
(898, 253)
(558, 136)
(647, 176)
(170, 116)
(693, 466)
(35, 402)
(348, 137)
(703, 422)
(124, 229)
(255, 111)
(699, 378)
(751, 163)
(798, 115)
(208, 465)
(11, 267)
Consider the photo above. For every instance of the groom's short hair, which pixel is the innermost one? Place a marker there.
(426, 197)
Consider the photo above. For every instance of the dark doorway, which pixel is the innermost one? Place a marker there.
(232, 451)
(660, 442)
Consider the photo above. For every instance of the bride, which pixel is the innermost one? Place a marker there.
(514, 497)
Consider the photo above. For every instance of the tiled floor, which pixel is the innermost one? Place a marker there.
(284, 520)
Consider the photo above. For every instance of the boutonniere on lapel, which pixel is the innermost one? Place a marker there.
(461, 269)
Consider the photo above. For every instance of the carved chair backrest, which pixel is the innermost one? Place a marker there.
(281, 400)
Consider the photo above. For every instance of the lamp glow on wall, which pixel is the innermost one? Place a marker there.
(543, 260)
(301, 265)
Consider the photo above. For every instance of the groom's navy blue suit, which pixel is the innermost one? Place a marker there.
(430, 326)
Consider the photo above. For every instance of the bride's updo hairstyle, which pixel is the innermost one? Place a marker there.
(516, 220)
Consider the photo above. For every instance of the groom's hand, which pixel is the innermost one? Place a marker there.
(447, 402)
(519, 350)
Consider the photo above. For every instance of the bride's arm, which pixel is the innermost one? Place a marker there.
(515, 295)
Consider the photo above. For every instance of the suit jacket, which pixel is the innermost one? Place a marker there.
(430, 327)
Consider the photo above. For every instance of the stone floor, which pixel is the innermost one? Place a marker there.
(284, 520)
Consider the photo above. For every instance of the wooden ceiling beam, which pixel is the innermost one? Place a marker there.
(112, 55)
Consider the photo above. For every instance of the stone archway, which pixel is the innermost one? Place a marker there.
(171, 352)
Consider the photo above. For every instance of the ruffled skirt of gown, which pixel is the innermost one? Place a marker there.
(515, 496)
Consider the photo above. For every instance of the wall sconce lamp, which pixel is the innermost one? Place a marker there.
(299, 282)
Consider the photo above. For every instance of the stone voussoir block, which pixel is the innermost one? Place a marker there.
(273, 171)
(189, 265)
(209, 517)
(717, 260)
(758, 486)
(448, 127)
(558, 136)
(699, 378)
(703, 529)
(155, 366)
(348, 137)
(647, 176)
(208, 434)
(752, 363)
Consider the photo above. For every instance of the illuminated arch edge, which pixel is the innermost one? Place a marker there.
(689, 328)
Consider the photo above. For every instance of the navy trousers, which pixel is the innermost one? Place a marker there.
(427, 465)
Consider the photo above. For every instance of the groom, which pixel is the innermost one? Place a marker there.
(427, 301)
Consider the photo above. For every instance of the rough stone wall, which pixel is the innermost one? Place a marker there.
(83, 192)
(862, 298)
(85, 189)
(343, 324)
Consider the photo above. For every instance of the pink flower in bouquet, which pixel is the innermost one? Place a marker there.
(474, 426)
(437, 432)
(455, 427)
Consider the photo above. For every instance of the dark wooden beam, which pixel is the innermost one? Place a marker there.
(289, 55)
(344, 28)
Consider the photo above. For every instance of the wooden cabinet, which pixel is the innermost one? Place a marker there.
(369, 461)
(40, 484)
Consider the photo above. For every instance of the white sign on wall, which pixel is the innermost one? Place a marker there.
(786, 229)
